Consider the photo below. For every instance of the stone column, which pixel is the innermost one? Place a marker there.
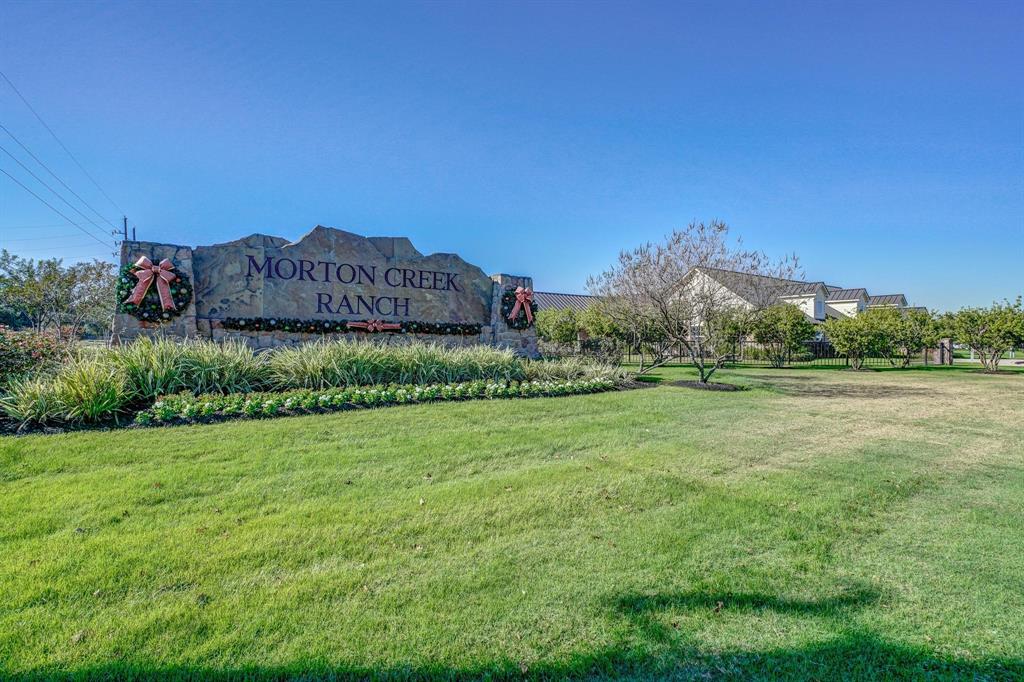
(524, 341)
(127, 327)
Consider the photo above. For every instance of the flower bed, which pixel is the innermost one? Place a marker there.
(187, 408)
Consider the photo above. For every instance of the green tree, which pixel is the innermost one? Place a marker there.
(989, 332)
(558, 326)
(858, 337)
(46, 294)
(904, 334)
(782, 330)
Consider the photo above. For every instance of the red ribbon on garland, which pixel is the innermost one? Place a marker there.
(371, 326)
(146, 273)
(524, 299)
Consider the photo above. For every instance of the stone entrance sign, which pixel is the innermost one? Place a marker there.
(269, 291)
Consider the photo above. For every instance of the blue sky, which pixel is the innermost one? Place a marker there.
(883, 142)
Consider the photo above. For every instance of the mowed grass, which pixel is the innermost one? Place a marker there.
(824, 524)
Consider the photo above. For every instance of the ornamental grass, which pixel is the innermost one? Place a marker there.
(104, 385)
(353, 363)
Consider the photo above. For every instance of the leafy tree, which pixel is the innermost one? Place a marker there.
(782, 330)
(903, 333)
(597, 324)
(558, 326)
(989, 332)
(46, 294)
(656, 292)
(858, 337)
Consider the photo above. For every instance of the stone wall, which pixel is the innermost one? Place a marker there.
(127, 327)
(522, 341)
(223, 290)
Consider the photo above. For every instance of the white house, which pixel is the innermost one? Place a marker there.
(819, 301)
(846, 302)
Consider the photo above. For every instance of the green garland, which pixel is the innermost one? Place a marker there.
(150, 310)
(508, 302)
(281, 324)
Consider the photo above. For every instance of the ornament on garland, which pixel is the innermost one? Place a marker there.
(275, 324)
(153, 292)
(518, 308)
(371, 326)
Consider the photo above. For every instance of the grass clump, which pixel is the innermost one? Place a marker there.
(85, 390)
(163, 366)
(101, 385)
(351, 363)
(91, 390)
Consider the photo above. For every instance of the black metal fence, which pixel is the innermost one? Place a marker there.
(813, 354)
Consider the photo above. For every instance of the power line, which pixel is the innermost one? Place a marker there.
(56, 177)
(55, 192)
(47, 204)
(40, 119)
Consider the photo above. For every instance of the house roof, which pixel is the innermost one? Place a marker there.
(837, 294)
(548, 300)
(888, 299)
(747, 285)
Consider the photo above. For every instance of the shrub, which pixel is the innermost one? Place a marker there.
(569, 369)
(164, 366)
(558, 326)
(85, 390)
(91, 390)
(862, 336)
(28, 352)
(187, 407)
(782, 330)
(352, 363)
(989, 332)
(32, 400)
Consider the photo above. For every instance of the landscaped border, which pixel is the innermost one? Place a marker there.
(280, 324)
(185, 408)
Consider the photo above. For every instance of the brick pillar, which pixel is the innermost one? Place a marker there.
(524, 341)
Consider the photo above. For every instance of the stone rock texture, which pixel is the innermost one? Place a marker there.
(127, 326)
(225, 286)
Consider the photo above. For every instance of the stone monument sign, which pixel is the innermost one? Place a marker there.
(269, 291)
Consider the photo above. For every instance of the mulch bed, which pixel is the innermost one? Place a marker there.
(706, 387)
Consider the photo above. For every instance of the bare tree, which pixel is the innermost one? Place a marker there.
(694, 290)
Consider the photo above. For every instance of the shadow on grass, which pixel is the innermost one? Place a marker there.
(660, 653)
(794, 387)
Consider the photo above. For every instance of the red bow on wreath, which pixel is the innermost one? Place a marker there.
(524, 300)
(146, 273)
(371, 326)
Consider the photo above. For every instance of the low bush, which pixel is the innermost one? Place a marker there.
(187, 407)
(28, 352)
(85, 390)
(164, 366)
(352, 363)
(569, 369)
(91, 390)
(32, 400)
(101, 386)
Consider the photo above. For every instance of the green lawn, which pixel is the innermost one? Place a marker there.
(822, 524)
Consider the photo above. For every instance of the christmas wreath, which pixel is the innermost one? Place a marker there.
(153, 293)
(518, 308)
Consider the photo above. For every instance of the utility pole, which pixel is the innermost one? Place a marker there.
(125, 228)
(133, 233)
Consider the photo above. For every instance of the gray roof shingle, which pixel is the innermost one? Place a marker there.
(748, 286)
(837, 294)
(548, 300)
(888, 299)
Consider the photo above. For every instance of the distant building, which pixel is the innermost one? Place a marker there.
(818, 301)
